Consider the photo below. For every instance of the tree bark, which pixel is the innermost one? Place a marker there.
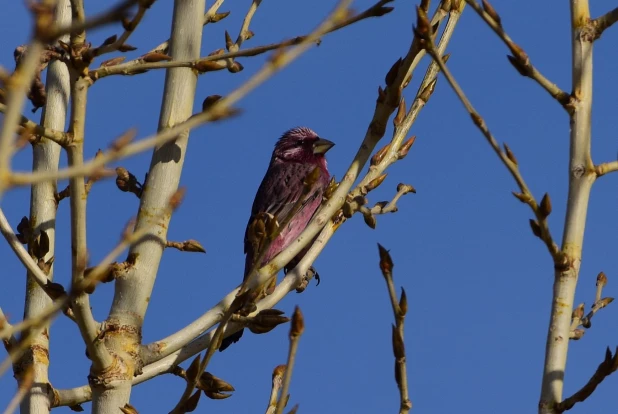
(581, 177)
(45, 157)
(133, 289)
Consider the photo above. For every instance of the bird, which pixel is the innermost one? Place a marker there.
(296, 154)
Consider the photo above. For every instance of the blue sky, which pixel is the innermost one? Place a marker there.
(478, 282)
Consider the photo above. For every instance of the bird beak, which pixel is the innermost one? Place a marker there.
(322, 145)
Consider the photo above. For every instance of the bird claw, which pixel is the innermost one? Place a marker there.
(311, 273)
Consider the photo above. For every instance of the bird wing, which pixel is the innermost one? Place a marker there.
(281, 188)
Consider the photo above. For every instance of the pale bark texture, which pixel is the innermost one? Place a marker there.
(581, 177)
(46, 155)
(133, 289)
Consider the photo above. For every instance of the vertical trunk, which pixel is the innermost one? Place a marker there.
(46, 155)
(133, 289)
(581, 178)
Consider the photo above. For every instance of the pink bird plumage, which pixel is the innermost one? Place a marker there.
(297, 153)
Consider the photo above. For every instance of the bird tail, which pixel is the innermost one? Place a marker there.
(233, 338)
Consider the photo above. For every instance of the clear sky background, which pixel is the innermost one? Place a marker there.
(479, 283)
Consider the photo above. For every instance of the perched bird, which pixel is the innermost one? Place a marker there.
(297, 153)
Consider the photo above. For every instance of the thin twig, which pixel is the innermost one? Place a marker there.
(27, 125)
(94, 276)
(277, 382)
(606, 368)
(129, 28)
(210, 16)
(11, 340)
(604, 22)
(296, 330)
(218, 110)
(80, 25)
(80, 304)
(506, 156)
(24, 386)
(139, 66)
(16, 89)
(186, 246)
(400, 308)
(24, 257)
(212, 347)
(520, 59)
(396, 146)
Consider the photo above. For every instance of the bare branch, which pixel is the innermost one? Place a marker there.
(581, 179)
(201, 65)
(16, 89)
(24, 386)
(221, 109)
(129, 28)
(604, 22)
(506, 156)
(10, 341)
(80, 25)
(211, 16)
(277, 382)
(31, 127)
(296, 330)
(519, 59)
(606, 168)
(187, 246)
(24, 257)
(397, 149)
(80, 303)
(606, 368)
(400, 308)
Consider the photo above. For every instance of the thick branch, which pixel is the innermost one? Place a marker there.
(45, 158)
(133, 290)
(581, 178)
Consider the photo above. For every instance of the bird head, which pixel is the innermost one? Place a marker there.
(301, 145)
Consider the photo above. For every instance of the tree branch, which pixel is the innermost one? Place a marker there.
(277, 382)
(43, 208)
(519, 59)
(606, 368)
(296, 330)
(27, 125)
(396, 149)
(16, 89)
(400, 308)
(604, 22)
(581, 178)
(606, 168)
(129, 28)
(540, 226)
(24, 257)
(139, 65)
(80, 303)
